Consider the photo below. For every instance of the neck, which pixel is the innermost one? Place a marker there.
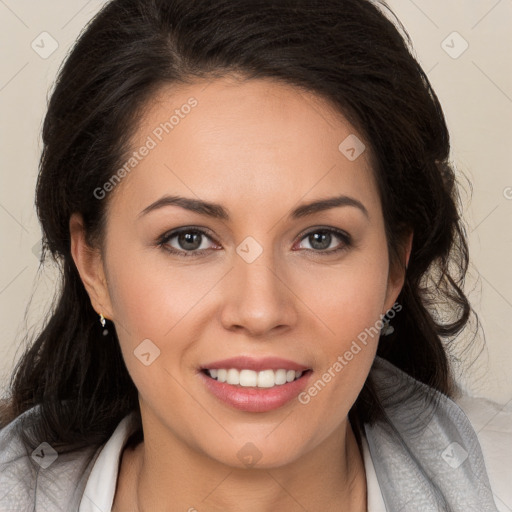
(192, 482)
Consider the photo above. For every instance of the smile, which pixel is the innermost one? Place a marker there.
(254, 391)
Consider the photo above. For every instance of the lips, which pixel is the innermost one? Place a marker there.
(265, 392)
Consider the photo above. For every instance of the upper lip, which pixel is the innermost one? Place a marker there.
(251, 363)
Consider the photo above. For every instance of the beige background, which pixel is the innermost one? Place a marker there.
(475, 89)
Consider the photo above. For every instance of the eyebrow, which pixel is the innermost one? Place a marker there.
(217, 211)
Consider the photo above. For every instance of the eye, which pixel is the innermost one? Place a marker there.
(189, 241)
(321, 239)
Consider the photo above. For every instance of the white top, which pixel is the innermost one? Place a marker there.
(101, 484)
(374, 496)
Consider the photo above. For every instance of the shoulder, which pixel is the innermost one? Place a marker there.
(40, 478)
(492, 423)
(430, 450)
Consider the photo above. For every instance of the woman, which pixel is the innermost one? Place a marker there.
(255, 216)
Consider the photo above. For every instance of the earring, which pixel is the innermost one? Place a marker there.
(103, 322)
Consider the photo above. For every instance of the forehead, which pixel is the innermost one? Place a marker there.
(241, 139)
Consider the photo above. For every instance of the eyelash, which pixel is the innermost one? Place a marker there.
(165, 238)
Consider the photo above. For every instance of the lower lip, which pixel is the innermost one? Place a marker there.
(252, 399)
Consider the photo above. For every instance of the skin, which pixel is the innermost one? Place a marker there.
(259, 148)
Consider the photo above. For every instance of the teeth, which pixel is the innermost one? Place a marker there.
(280, 377)
(250, 378)
(266, 379)
(233, 377)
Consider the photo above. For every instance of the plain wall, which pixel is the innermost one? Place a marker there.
(474, 87)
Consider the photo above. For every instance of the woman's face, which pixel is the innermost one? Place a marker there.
(258, 282)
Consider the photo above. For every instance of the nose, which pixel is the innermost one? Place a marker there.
(258, 298)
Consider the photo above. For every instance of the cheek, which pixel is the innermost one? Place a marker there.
(149, 296)
(351, 297)
(351, 308)
(152, 305)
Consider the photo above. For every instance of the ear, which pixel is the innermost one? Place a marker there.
(397, 275)
(89, 264)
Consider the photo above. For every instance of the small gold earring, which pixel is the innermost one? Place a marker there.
(103, 322)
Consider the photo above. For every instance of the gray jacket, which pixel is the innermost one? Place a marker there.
(426, 456)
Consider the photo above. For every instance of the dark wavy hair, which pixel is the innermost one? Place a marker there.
(355, 54)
